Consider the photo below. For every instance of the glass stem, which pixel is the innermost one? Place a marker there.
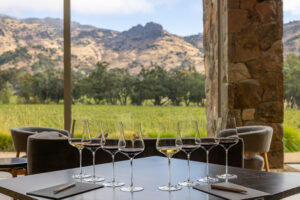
(113, 165)
(207, 161)
(169, 164)
(189, 168)
(80, 161)
(131, 169)
(226, 152)
(94, 168)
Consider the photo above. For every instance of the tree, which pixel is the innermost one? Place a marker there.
(155, 83)
(176, 87)
(5, 94)
(47, 85)
(124, 82)
(291, 77)
(197, 88)
(25, 86)
(10, 76)
(97, 82)
(138, 92)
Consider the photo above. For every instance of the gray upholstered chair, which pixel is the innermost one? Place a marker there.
(257, 140)
(20, 135)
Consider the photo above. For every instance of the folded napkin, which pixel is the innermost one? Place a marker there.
(251, 193)
(78, 189)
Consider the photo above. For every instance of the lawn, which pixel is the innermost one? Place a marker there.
(52, 116)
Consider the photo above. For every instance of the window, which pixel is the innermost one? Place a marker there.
(31, 65)
(137, 60)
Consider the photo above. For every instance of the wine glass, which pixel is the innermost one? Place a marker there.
(208, 143)
(110, 135)
(189, 144)
(93, 142)
(75, 138)
(169, 145)
(131, 144)
(228, 137)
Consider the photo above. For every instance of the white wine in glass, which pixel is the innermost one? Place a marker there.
(169, 143)
(168, 151)
(76, 139)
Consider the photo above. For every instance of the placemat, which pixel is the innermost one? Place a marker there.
(78, 189)
(251, 193)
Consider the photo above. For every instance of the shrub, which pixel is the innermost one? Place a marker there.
(6, 142)
(291, 140)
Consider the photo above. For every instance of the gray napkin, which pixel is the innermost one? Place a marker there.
(251, 193)
(78, 189)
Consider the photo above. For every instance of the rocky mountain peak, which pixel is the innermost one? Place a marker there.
(151, 26)
(151, 31)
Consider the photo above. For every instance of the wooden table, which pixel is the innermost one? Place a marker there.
(150, 173)
(13, 165)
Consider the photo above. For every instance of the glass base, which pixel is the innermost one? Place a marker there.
(227, 176)
(131, 189)
(94, 179)
(208, 179)
(80, 176)
(187, 183)
(113, 184)
(169, 188)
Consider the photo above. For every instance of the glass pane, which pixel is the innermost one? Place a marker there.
(31, 65)
(138, 60)
(291, 42)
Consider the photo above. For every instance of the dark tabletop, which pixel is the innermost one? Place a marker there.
(150, 173)
(13, 162)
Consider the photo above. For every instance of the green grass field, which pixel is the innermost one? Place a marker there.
(52, 116)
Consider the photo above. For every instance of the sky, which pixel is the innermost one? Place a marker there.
(181, 17)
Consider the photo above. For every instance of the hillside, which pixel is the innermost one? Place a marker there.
(34, 44)
(291, 37)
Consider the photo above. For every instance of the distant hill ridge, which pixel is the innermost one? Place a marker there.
(33, 44)
(291, 37)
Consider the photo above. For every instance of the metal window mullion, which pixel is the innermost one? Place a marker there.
(67, 64)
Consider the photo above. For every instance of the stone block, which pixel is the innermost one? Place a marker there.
(271, 112)
(237, 19)
(273, 86)
(248, 114)
(255, 68)
(238, 72)
(234, 4)
(271, 81)
(248, 4)
(272, 60)
(269, 34)
(246, 45)
(247, 94)
(267, 11)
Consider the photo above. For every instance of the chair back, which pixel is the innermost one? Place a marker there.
(257, 139)
(21, 134)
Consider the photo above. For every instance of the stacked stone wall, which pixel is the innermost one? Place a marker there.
(252, 77)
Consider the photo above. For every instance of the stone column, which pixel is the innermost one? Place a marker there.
(254, 73)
